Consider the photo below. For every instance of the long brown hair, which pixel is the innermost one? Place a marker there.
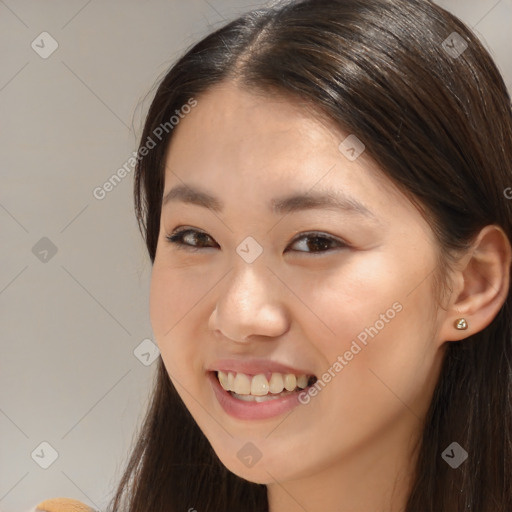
(436, 117)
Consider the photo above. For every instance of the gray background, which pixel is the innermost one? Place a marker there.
(72, 323)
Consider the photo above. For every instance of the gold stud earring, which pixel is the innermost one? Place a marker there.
(461, 324)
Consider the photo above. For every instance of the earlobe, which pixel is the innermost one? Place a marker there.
(484, 279)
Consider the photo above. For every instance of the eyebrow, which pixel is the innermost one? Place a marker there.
(279, 206)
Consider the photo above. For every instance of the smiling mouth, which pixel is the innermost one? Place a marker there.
(263, 387)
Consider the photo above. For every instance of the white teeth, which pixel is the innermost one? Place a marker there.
(231, 381)
(276, 383)
(302, 381)
(242, 384)
(223, 379)
(258, 386)
(251, 398)
(290, 382)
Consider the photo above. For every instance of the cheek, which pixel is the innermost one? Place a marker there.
(169, 304)
(177, 298)
(376, 313)
(174, 293)
(161, 304)
(341, 303)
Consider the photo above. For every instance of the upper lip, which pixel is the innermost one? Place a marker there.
(255, 366)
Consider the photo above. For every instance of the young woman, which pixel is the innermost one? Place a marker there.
(324, 188)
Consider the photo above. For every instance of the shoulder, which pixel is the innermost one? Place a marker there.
(62, 505)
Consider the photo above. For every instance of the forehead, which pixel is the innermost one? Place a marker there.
(252, 146)
(229, 115)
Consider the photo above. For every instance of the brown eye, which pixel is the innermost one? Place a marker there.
(318, 242)
(181, 242)
(193, 240)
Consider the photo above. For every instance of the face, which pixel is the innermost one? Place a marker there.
(270, 295)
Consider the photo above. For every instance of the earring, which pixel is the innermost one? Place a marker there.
(461, 324)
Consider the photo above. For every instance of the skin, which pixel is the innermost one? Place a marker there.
(352, 448)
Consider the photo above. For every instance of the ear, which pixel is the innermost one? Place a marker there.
(481, 284)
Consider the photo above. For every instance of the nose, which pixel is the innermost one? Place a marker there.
(249, 306)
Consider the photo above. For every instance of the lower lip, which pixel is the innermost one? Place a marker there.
(252, 410)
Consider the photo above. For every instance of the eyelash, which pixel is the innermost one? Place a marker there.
(176, 237)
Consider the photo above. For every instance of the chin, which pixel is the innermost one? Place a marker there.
(266, 470)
